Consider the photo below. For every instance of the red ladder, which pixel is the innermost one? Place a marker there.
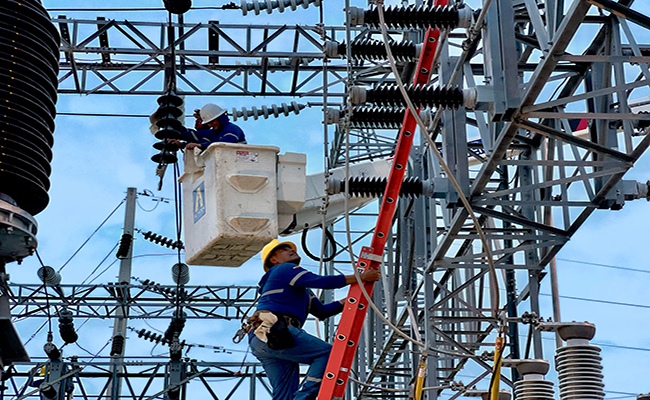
(349, 330)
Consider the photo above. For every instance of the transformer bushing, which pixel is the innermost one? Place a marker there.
(29, 65)
(578, 364)
(532, 386)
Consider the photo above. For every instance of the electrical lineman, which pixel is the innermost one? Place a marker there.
(211, 126)
(276, 336)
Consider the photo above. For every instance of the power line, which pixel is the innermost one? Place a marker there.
(604, 265)
(615, 303)
(132, 9)
(91, 235)
(100, 264)
(84, 114)
(80, 114)
(616, 346)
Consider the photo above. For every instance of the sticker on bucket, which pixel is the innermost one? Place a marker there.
(247, 156)
(198, 199)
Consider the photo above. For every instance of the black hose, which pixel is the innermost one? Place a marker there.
(329, 236)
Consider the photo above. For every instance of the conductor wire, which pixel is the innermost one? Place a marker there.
(494, 283)
(91, 235)
(372, 305)
(47, 298)
(326, 166)
(179, 226)
(473, 35)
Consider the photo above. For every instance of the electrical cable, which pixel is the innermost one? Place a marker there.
(100, 263)
(178, 209)
(149, 325)
(390, 390)
(98, 353)
(91, 235)
(615, 303)
(47, 298)
(494, 283)
(493, 276)
(35, 333)
(155, 255)
(103, 271)
(80, 114)
(327, 234)
(326, 163)
(134, 9)
(372, 305)
(82, 348)
(144, 209)
(474, 34)
(604, 265)
(615, 346)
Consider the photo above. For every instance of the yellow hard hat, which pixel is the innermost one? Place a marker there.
(268, 250)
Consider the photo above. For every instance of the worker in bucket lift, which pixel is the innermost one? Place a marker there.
(211, 126)
(276, 336)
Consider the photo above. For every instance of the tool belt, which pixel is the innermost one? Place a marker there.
(272, 327)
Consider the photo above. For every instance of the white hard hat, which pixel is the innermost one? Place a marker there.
(211, 111)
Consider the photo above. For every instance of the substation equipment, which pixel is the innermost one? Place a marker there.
(538, 109)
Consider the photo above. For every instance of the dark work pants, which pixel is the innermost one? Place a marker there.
(282, 366)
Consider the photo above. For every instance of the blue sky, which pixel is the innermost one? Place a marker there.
(97, 158)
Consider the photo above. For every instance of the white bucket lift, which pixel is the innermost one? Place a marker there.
(232, 199)
(239, 197)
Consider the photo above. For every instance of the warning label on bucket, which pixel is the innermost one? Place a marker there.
(247, 156)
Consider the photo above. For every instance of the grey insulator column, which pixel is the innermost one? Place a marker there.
(533, 386)
(578, 364)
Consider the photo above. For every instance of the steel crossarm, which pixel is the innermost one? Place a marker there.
(349, 330)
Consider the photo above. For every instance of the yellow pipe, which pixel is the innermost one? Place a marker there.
(496, 370)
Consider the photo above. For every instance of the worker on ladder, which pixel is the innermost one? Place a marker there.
(275, 330)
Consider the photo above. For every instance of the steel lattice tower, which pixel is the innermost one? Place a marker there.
(554, 128)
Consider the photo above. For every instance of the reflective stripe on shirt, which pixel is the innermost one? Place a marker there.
(295, 278)
(274, 291)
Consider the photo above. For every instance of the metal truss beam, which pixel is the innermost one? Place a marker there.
(269, 60)
(142, 379)
(145, 301)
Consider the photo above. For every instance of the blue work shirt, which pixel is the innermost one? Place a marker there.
(227, 132)
(285, 288)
